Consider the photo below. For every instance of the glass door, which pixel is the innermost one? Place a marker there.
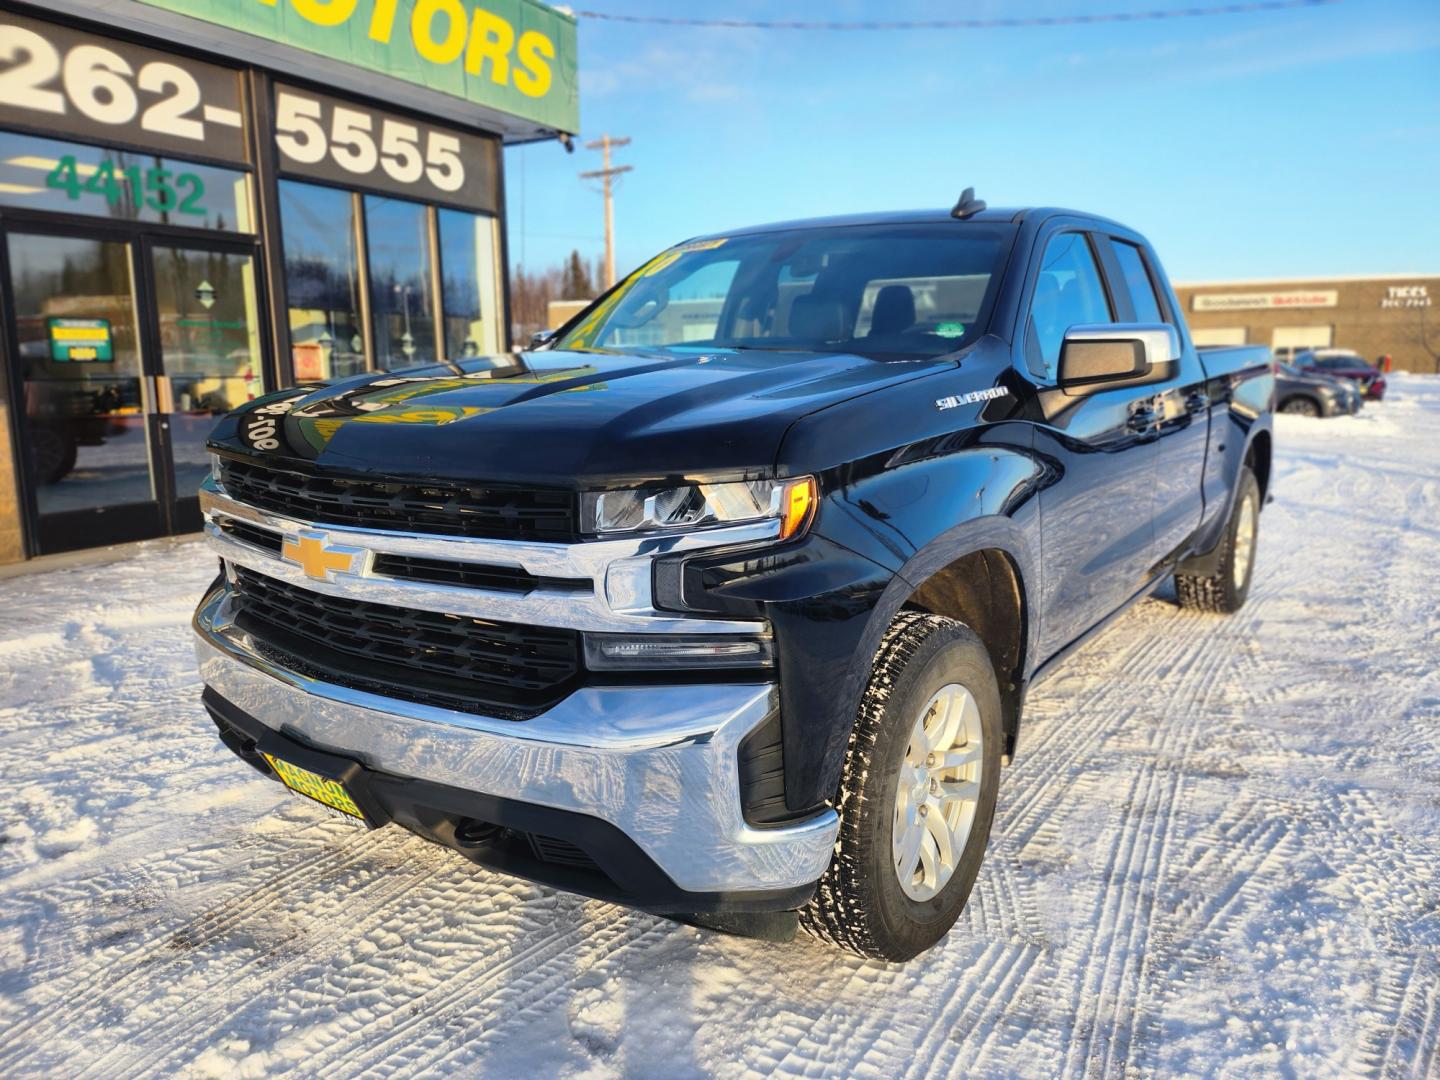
(209, 360)
(90, 447)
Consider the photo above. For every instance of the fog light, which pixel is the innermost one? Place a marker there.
(611, 652)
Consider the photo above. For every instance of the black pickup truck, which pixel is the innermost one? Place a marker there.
(723, 601)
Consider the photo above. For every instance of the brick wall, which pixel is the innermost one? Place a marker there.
(1371, 316)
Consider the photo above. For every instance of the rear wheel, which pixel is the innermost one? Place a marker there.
(1227, 589)
(917, 794)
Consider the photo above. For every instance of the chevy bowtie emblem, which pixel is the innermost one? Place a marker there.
(314, 554)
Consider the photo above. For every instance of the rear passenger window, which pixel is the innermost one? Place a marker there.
(1068, 293)
(1138, 283)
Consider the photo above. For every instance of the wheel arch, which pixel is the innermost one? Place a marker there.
(1258, 458)
(985, 589)
(983, 573)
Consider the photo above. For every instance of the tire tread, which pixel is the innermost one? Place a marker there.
(837, 914)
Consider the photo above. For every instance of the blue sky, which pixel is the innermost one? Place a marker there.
(1300, 142)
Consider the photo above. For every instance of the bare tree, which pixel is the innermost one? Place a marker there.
(1427, 336)
(532, 291)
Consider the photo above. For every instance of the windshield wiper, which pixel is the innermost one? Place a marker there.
(760, 348)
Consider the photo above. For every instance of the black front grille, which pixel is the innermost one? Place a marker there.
(472, 575)
(264, 539)
(447, 509)
(453, 661)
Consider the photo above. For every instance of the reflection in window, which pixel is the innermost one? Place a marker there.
(469, 294)
(1068, 293)
(322, 281)
(397, 238)
(79, 359)
(689, 309)
(1137, 282)
(73, 178)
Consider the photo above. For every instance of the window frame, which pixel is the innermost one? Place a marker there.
(1147, 265)
(1093, 242)
(357, 196)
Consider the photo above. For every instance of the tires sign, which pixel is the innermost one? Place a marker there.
(347, 143)
(66, 81)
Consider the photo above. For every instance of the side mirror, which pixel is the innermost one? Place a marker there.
(1117, 352)
(542, 338)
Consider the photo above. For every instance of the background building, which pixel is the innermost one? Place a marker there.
(1394, 314)
(203, 200)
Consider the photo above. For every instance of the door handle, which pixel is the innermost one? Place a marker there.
(1197, 401)
(1142, 419)
(164, 394)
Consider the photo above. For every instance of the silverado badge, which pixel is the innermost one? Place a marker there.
(956, 400)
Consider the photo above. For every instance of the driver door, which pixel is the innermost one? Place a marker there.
(1097, 513)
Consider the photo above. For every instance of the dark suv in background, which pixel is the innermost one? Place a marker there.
(1342, 364)
(1307, 394)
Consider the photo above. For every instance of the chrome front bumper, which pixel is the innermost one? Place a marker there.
(661, 763)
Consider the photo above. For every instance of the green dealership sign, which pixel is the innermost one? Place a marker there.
(516, 56)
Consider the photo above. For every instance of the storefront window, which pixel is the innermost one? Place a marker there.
(397, 239)
(322, 281)
(72, 178)
(468, 293)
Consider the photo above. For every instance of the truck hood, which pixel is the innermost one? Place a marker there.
(561, 418)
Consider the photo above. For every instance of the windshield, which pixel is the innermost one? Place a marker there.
(876, 290)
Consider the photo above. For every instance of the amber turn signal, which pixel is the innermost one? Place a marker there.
(798, 504)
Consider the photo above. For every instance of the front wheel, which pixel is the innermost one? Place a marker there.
(917, 794)
(1300, 406)
(1226, 590)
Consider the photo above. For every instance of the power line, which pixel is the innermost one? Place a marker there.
(1003, 23)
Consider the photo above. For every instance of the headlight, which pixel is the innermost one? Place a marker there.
(638, 510)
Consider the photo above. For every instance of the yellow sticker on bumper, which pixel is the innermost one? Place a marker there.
(323, 790)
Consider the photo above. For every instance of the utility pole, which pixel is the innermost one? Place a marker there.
(606, 175)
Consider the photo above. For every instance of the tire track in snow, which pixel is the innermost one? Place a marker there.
(1113, 976)
(322, 940)
(475, 981)
(93, 988)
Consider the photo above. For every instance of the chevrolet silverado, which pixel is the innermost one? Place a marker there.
(723, 601)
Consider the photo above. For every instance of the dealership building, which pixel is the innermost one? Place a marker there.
(204, 200)
(1395, 315)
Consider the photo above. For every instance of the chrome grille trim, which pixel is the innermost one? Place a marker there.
(619, 571)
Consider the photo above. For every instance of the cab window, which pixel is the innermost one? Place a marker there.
(1068, 292)
(1137, 282)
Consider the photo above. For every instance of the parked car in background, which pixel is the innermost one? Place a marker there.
(1342, 364)
(1304, 394)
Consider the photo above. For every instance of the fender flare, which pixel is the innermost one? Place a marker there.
(991, 533)
(1206, 563)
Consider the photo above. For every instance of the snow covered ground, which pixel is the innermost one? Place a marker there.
(1217, 854)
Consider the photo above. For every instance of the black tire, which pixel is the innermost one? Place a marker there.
(53, 453)
(859, 904)
(1300, 406)
(1220, 591)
